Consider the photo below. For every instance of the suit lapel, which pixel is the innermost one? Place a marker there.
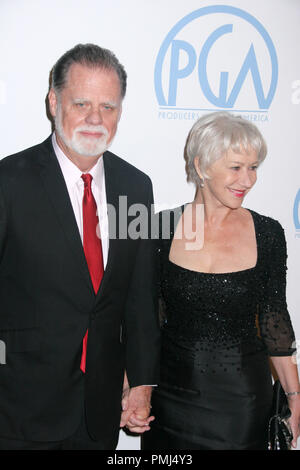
(56, 189)
(55, 186)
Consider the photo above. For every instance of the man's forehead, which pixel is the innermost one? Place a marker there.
(88, 73)
(83, 77)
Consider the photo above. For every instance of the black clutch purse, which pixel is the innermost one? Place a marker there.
(279, 434)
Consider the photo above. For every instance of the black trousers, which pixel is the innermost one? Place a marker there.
(80, 440)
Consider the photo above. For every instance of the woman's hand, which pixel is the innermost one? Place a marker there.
(294, 420)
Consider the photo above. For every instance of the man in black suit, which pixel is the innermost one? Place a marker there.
(78, 312)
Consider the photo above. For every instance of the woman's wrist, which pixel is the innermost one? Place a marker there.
(292, 394)
(293, 397)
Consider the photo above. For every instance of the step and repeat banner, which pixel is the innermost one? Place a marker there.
(183, 59)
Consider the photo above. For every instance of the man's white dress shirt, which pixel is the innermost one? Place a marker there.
(75, 186)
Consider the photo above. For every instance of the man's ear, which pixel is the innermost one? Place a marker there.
(52, 99)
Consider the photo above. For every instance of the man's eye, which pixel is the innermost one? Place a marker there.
(80, 104)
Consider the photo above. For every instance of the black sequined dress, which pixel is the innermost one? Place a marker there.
(218, 331)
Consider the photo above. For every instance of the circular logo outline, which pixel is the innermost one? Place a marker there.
(203, 12)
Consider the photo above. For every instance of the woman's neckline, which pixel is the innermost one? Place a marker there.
(221, 273)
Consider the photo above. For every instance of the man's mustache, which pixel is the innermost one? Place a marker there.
(95, 129)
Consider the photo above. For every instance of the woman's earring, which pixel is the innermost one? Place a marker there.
(201, 182)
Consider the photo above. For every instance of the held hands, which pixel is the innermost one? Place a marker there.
(136, 408)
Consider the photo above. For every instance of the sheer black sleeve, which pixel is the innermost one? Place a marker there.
(274, 320)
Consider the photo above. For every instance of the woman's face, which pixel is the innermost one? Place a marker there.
(231, 178)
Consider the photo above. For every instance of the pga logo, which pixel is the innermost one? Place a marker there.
(217, 55)
(296, 213)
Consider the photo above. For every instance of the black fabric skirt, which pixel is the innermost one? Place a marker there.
(224, 408)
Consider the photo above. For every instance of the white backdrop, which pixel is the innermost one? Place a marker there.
(248, 64)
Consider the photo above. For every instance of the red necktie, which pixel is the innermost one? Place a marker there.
(91, 245)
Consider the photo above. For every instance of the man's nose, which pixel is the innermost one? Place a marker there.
(94, 117)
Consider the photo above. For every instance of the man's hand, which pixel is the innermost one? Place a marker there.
(136, 408)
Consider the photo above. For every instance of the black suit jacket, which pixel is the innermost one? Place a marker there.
(47, 303)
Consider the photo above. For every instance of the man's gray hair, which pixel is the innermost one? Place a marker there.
(213, 135)
(90, 55)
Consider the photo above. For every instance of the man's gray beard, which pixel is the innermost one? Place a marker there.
(74, 143)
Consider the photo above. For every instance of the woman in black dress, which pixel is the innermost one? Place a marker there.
(223, 305)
